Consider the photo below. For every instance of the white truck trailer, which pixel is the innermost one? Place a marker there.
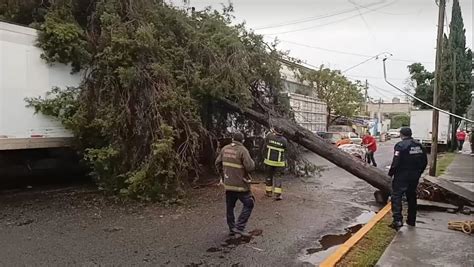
(24, 74)
(421, 126)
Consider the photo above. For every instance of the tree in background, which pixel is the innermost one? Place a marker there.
(424, 83)
(424, 79)
(343, 97)
(399, 120)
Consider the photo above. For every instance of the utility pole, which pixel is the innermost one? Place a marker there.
(379, 119)
(437, 85)
(366, 96)
(454, 144)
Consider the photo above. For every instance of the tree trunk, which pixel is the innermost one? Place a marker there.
(328, 118)
(314, 143)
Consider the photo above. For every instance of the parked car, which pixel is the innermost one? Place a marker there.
(394, 133)
(354, 137)
(333, 137)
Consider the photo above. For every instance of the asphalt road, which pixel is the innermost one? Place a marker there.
(78, 226)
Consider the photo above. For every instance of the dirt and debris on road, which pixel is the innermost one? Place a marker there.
(79, 226)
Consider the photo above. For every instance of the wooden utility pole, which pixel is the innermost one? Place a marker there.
(454, 144)
(366, 97)
(437, 85)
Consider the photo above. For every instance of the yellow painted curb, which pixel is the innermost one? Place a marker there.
(335, 257)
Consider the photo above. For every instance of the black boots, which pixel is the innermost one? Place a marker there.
(396, 225)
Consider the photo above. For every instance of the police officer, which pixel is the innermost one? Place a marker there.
(409, 162)
(234, 164)
(275, 160)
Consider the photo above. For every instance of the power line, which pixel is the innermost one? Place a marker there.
(349, 53)
(383, 12)
(420, 100)
(324, 24)
(293, 22)
(373, 77)
(379, 89)
(367, 60)
(363, 19)
(325, 49)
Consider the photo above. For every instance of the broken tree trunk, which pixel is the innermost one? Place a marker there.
(316, 144)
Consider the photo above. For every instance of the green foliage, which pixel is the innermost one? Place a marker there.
(424, 84)
(154, 75)
(59, 103)
(455, 44)
(399, 121)
(23, 12)
(63, 40)
(343, 97)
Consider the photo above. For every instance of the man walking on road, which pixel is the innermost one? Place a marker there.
(234, 164)
(409, 162)
(275, 160)
(461, 136)
(371, 144)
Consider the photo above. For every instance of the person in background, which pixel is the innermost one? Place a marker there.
(471, 140)
(275, 161)
(409, 162)
(234, 164)
(461, 137)
(371, 144)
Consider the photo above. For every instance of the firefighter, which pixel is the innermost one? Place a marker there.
(234, 164)
(274, 159)
(409, 162)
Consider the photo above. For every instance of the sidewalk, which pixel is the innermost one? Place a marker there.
(461, 171)
(431, 243)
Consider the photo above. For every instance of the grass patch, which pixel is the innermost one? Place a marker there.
(443, 162)
(371, 247)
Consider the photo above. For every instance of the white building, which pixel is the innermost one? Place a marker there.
(310, 112)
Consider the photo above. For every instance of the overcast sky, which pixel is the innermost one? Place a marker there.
(343, 33)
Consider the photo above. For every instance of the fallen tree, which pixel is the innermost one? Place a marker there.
(148, 106)
(316, 144)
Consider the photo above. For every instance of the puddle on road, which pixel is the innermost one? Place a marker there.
(330, 242)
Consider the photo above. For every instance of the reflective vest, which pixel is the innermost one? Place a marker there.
(275, 151)
(236, 163)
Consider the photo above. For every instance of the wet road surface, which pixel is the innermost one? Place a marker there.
(78, 226)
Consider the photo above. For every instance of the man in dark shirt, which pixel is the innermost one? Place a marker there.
(409, 162)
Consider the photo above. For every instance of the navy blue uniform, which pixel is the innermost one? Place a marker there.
(409, 162)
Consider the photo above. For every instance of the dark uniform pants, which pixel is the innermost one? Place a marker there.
(247, 200)
(404, 184)
(460, 144)
(370, 158)
(274, 179)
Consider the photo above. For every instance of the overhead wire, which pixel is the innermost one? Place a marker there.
(309, 19)
(328, 23)
(384, 12)
(418, 99)
(363, 19)
(348, 53)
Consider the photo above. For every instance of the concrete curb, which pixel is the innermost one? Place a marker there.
(335, 257)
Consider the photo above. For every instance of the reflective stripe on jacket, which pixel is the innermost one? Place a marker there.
(236, 163)
(275, 154)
